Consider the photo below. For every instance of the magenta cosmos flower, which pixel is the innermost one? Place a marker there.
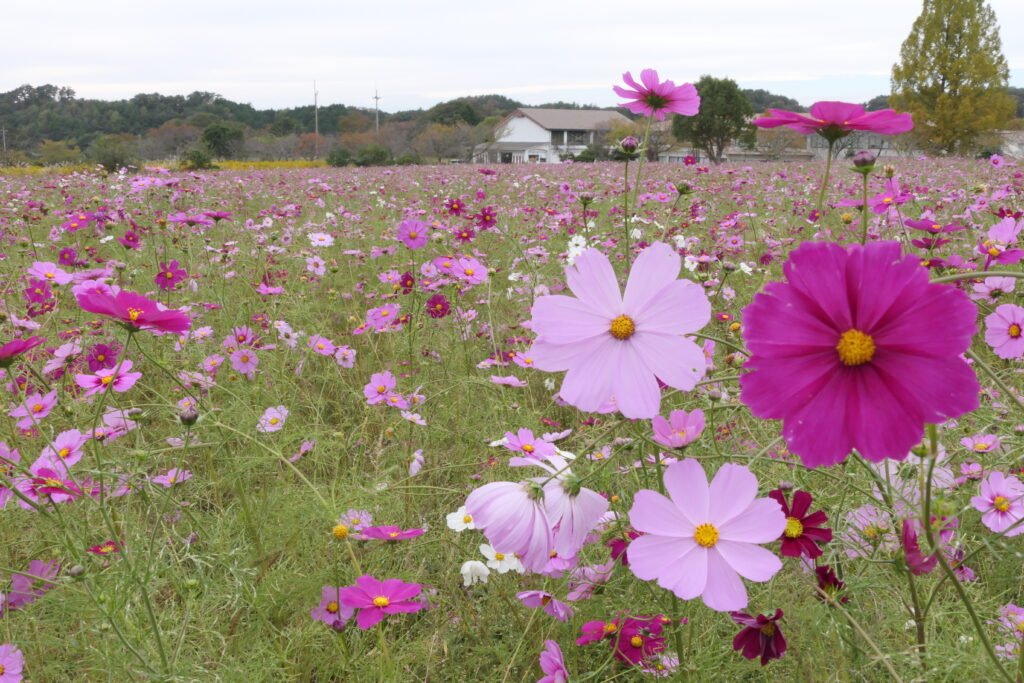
(834, 120)
(857, 350)
(16, 347)
(119, 378)
(652, 97)
(620, 346)
(701, 541)
(134, 310)
(413, 233)
(552, 663)
(374, 598)
(170, 275)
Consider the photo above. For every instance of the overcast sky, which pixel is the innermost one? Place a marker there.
(417, 53)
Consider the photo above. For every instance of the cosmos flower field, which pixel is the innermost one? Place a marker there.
(461, 423)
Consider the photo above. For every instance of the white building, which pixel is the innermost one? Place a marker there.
(546, 135)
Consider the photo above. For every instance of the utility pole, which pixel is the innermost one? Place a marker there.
(316, 123)
(376, 110)
(3, 131)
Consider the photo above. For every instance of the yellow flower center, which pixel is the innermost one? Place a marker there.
(392, 534)
(64, 452)
(49, 276)
(636, 641)
(871, 531)
(794, 528)
(855, 348)
(381, 601)
(107, 380)
(623, 327)
(993, 251)
(355, 520)
(168, 275)
(467, 519)
(53, 483)
(332, 607)
(37, 408)
(469, 271)
(981, 446)
(499, 556)
(528, 447)
(340, 531)
(274, 420)
(1015, 330)
(100, 357)
(705, 535)
(768, 629)
(133, 314)
(413, 235)
(611, 627)
(1001, 503)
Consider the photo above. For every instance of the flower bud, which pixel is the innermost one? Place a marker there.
(188, 416)
(864, 159)
(728, 266)
(890, 170)
(629, 144)
(76, 571)
(786, 486)
(684, 188)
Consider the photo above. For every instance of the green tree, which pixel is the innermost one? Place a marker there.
(222, 139)
(114, 152)
(285, 126)
(59, 152)
(952, 76)
(724, 116)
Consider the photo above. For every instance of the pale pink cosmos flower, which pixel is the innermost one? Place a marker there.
(345, 356)
(9, 459)
(680, 429)
(652, 97)
(321, 345)
(1004, 331)
(991, 289)
(512, 517)
(526, 443)
(35, 407)
(705, 538)
(330, 610)
(12, 663)
(620, 346)
(171, 477)
(244, 361)
(1001, 503)
(379, 388)
(120, 379)
(273, 419)
(555, 608)
(413, 233)
(49, 272)
(65, 450)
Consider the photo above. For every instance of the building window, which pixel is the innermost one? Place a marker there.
(579, 137)
(558, 137)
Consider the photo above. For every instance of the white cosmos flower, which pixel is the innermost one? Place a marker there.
(474, 571)
(499, 561)
(460, 520)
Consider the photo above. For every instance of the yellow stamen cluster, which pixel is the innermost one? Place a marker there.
(381, 601)
(133, 314)
(855, 348)
(332, 607)
(636, 641)
(340, 532)
(1001, 503)
(794, 528)
(1015, 330)
(706, 535)
(623, 327)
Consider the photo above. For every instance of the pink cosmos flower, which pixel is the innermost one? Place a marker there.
(1001, 503)
(379, 388)
(244, 361)
(680, 429)
(49, 272)
(34, 408)
(526, 443)
(512, 517)
(413, 233)
(33, 584)
(1003, 331)
(701, 541)
(555, 608)
(120, 379)
(469, 270)
(133, 310)
(991, 289)
(656, 98)
(65, 450)
(856, 349)
(9, 459)
(12, 663)
(833, 120)
(171, 477)
(382, 316)
(389, 533)
(170, 275)
(330, 610)
(321, 345)
(917, 562)
(552, 663)
(44, 482)
(374, 599)
(621, 346)
(272, 419)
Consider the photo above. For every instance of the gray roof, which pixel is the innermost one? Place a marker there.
(572, 119)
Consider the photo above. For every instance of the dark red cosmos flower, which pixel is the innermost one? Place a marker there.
(760, 637)
(438, 306)
(829, 584)
(16, 347)
(406, 282)
(803, 531)
(133, 310)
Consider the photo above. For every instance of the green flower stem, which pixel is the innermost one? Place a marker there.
(824, 181)
(864, 214)
(973, 275)
(625, 211)
(723, 342)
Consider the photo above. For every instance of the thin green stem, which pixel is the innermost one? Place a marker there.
(824, 181)
(864, 214)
